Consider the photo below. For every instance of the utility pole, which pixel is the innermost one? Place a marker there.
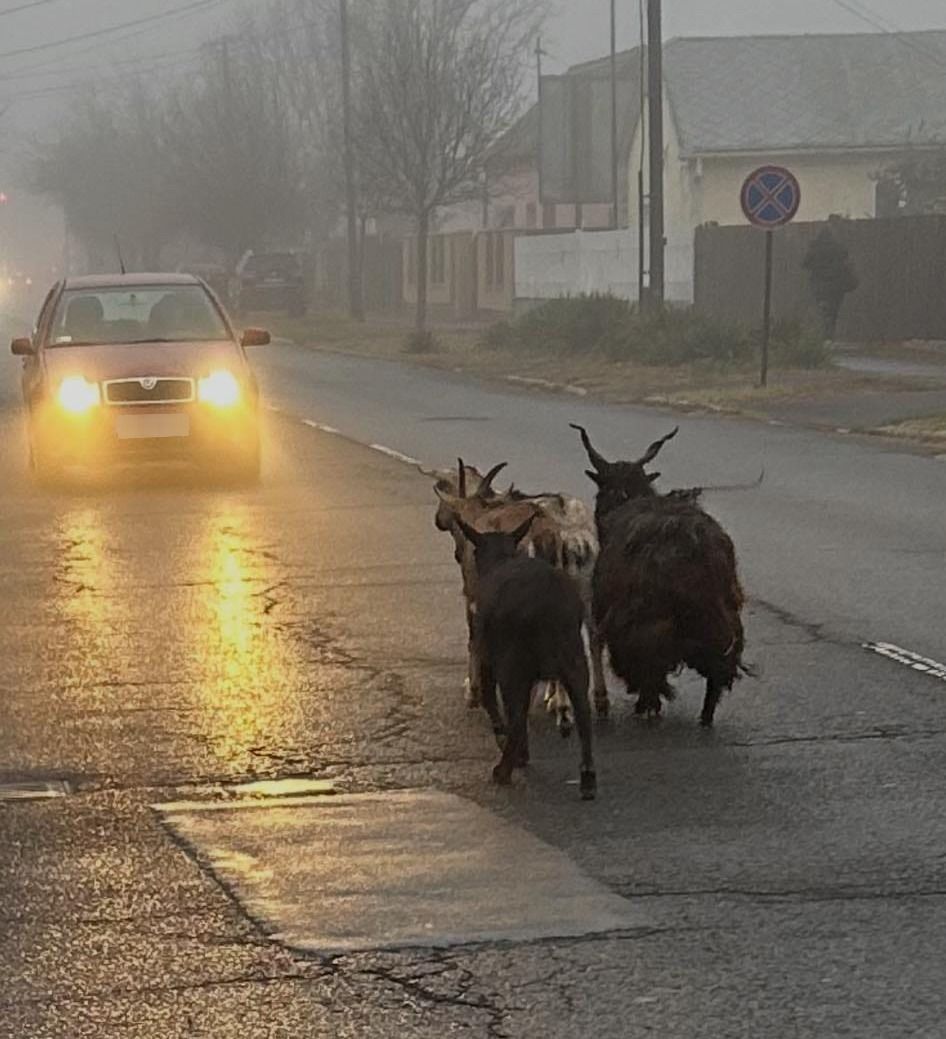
(656, 111)
(539, 136)
(356, 306)
(614, 118)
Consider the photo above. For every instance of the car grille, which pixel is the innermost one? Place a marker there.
(149, 391)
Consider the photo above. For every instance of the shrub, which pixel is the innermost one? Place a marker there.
(614, 328)
(794, 345)
(421, 343)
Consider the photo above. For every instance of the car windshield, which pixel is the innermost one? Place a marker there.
(143, 314)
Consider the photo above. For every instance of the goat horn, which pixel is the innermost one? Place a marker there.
(651, 453)
(461, 478)
(431, 474)
(597, 459)
(487, 485)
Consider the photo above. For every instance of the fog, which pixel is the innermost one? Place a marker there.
(38, 81)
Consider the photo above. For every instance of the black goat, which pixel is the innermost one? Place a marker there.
(527, 630)
(666, 586)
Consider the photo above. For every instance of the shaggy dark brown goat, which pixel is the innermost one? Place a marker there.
(527, 630)
(666, 586)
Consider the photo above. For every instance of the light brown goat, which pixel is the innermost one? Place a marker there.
(562, 533)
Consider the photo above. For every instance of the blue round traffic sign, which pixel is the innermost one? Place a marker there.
(771, 196)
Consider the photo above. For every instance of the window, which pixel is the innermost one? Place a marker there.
(548, 215)
(438, 260)
(142, 314)
(531, 217)
(499, 263)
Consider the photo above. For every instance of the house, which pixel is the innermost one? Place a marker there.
(836, 109)
(839, 110)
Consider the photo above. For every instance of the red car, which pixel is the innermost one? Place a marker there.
(131, 366)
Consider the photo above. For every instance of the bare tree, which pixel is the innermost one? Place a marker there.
(440, 82)
(106, 170)
(230, 150)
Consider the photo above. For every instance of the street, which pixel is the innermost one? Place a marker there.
(165, 640)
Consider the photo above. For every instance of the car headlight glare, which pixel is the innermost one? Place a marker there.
(77, 395)
(220, 389)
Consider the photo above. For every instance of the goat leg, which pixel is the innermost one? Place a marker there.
(474, 689)
(487, 680)
(596, 647)
(577, 684)
(517, 706)
(713, 692)
(558, 702)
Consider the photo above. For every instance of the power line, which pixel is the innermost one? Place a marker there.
(98, 33)
(891, 29)
(26, 7)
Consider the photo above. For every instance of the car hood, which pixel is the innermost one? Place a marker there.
(139, 360)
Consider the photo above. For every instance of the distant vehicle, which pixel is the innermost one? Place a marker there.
(139, 366)
(272, 281)
(220, 279)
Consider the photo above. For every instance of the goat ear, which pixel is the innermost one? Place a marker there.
(523, 529)
(594, 477)
(450, 500)
(653, 477)
(473, 536)
(651, 453)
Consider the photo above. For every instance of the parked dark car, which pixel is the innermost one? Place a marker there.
(272, 281)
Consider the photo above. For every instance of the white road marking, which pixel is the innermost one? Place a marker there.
(925, 665)
(391, 453)
(320, 426)
(398, 456)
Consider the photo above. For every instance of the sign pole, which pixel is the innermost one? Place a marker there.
(767, 308)
(770, 198)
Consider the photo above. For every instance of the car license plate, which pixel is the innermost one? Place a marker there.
(152, 427)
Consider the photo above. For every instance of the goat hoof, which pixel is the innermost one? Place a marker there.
(603, 707)
(501, 776)
(588, 785)
(706, 721)
(564, 725)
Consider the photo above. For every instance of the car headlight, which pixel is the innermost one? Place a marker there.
(77, 395)
(220, 389)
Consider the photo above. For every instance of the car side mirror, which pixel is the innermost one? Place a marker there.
(22, 346)
(256, 337)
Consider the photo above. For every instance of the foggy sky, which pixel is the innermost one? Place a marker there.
(577, 31)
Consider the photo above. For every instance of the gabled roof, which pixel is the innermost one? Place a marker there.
(812, 93)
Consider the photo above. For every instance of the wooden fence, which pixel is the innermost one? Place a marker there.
(901, 264)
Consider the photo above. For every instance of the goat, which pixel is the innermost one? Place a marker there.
(563, 535)
(528, 625)
(666, 586)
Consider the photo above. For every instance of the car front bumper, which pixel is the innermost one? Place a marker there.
(109, 434)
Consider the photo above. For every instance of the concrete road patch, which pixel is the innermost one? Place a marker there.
(393, 870)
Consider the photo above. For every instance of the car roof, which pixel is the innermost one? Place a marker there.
(118, 281)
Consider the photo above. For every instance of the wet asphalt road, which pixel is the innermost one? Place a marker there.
(162, 637)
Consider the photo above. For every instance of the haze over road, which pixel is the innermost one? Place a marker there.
(164, 638)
